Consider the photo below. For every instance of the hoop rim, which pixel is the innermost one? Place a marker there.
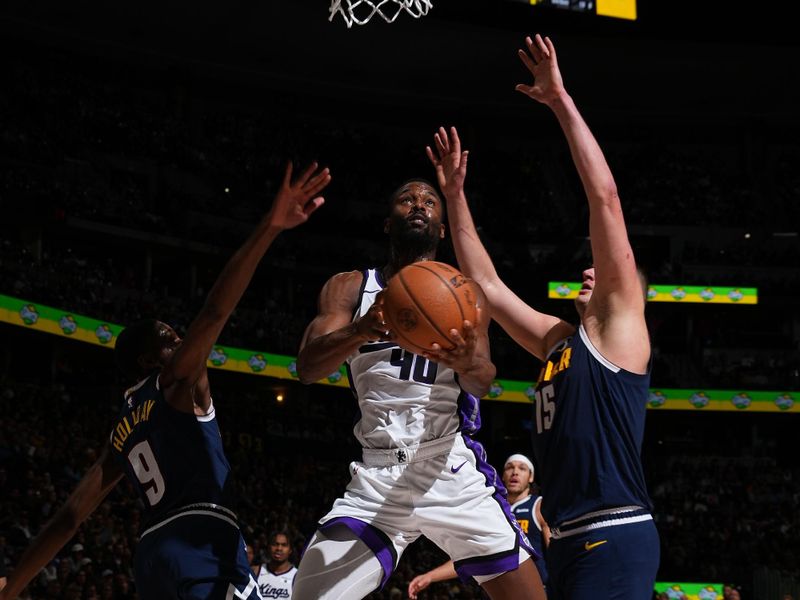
(348, 8)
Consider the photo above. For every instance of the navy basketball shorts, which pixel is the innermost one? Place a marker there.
(197, 554)
(611, 562)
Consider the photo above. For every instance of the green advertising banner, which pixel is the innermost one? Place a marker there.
(689, 591)
(671, 293)
(256, 362)
(85, 329)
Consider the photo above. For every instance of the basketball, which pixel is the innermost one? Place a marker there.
(425, 300)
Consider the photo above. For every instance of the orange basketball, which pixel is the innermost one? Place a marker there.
(425, 300)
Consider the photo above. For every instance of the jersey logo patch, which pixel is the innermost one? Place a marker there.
(401, 456)
(458, 468)
(588, 546)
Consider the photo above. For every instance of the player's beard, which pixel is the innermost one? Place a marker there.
(412, 242)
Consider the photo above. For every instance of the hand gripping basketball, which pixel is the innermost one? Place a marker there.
(425, 302)
(372, 324)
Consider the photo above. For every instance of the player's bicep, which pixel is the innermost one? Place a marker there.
(323, 324)
(616, 278)
(335, 306)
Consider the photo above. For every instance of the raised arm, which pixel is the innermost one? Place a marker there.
(294, 203)
(614, 316)
(333, 336)
(82, 502)
(531, 329)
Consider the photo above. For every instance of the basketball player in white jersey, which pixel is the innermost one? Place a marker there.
(421, 471)
(276, 576)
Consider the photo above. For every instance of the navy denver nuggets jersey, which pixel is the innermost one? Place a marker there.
(587, 432)
(524, 512)
(173, 459)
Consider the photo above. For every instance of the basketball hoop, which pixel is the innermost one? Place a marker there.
(361, 11)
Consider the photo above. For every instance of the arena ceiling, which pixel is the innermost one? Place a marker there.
(705, 58)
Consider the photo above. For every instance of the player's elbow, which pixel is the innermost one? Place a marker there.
(479, 390)
(305, 380)
(608, 195)
(304, 371)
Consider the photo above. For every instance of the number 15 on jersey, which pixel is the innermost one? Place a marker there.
(545, 407)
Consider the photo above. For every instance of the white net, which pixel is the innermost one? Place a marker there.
(361, 11)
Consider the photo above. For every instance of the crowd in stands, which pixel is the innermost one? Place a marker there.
(719, 515)
(741, 510)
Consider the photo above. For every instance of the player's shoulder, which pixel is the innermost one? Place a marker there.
(344, 285)
(142, 387)
(347, 278)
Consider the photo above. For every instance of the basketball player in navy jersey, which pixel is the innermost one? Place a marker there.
(525, 506)
(167, 441)
(421, 472)
(592, 391)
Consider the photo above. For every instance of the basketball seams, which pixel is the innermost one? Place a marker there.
(421, 305)
(447, 286)
(398, 331)
(419, 311)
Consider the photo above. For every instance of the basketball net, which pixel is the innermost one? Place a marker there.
(361, 11)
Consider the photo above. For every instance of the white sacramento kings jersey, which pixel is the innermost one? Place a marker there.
(271, 585)
(404, 398)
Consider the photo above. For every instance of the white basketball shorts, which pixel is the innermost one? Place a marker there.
(443, 489)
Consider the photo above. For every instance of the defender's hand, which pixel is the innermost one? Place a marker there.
(296, 200)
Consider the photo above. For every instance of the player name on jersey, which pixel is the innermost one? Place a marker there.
(552, 368)
(125, 426)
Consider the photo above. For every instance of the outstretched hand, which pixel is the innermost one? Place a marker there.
(449, 161)
(540, 59)
(296, 200)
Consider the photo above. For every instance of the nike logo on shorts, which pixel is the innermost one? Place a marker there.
(588, 546)
(458, 468)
